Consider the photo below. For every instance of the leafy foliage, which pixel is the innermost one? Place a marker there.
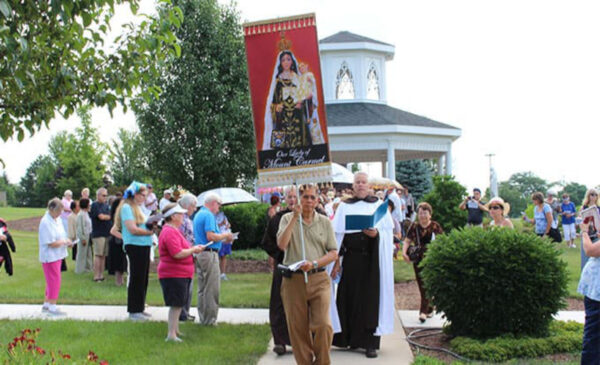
(576, 192)
(250, 219)
(495, 282)
(416, 176)
(10, 189)
(38, 185)
(446, 196)
(200, 130)
(527, 183)
(518, 203)
(79, 156)
(53, 58)
(128, 159)
(563, 337)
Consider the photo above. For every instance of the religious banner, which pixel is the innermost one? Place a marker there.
(288, 105)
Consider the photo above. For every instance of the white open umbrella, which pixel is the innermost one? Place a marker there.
(228, 196)
(340, 174)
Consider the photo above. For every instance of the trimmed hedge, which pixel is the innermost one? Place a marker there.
(250, 219)
(495, 282)
(564, 337)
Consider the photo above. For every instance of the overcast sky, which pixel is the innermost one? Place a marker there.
(520, 78)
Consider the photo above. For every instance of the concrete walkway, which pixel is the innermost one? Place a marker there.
(394, 350)
(410, 319)
(119, 313)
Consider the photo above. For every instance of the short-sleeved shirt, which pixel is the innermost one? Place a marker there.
(319, 238)
(540, 218)
(475, 212)
(151, 202)
(568, 208)
(100, 228)
(51, 230)
(205, 221)
(128, 237)
(170, 243)
(425, 234)
(187, 229)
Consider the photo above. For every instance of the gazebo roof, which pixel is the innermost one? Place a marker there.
(347, 37)
(371, 114)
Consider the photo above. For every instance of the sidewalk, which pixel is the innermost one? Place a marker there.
(119, 313)
(410, 319)
(394, 350)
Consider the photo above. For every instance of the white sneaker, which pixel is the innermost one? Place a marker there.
(137, 317)
(224, 277)
(173, 339)
(44, 309)
(56, 313)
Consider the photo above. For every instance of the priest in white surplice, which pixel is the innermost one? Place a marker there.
(365, 295)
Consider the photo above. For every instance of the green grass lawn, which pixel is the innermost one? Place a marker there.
(11, 213)
(27, 284)
(142, 343)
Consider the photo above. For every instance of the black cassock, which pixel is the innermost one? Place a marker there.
(358, 292)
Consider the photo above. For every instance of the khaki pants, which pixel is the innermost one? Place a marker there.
(209, 285)
(84, 262)
(307, 313)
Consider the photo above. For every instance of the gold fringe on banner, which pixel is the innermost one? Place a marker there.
(279, 24)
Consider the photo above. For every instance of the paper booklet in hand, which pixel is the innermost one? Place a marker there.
(208, 244)
(359, 222)
(296, 265)
(591, 216)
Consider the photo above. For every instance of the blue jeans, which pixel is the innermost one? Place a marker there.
(591, 333)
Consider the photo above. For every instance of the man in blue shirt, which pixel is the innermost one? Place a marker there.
(206, 230)
(568, 219)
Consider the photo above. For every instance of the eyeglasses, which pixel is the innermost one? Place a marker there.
(104, 195)
(495, 207)
(311, 197)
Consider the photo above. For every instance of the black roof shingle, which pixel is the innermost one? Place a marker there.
(347, 37)
(365, 114)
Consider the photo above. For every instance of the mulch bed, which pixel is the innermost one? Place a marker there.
(247, 266)
(26, 224)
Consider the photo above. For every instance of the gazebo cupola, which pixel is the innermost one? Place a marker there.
(354, 68)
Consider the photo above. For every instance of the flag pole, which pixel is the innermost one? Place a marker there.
(301, 231)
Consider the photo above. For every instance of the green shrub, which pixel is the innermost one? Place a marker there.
(249, 254)
(250, 219)
(495, 282)
(563, 337)
(446, 196)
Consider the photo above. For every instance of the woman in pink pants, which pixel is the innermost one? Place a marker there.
(53, 248)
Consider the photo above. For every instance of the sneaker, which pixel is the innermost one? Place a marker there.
(224, 277)
(422, 317)
(146, 314)
(45, 309)
(173, 339)
(56, 312)
(137, 317)
(371, 353)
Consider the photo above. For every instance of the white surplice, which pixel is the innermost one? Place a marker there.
(385, 228)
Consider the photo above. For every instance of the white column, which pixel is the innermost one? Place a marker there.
(449, 161)
(440, 165)
(391, 162)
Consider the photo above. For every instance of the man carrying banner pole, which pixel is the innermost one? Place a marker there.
(307, 298)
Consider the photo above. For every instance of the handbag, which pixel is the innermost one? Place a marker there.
(415, 252)
(555, 235)
(284, 271)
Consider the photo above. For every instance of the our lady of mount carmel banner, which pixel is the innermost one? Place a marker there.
(288, 106)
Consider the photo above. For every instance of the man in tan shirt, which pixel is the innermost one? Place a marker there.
(307, 304)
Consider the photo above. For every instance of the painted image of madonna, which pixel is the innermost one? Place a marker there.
(291, 118)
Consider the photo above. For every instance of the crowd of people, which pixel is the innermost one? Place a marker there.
(340, 292)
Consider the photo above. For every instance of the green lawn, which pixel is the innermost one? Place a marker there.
(27, 284)
(11, 213)
(141, 343)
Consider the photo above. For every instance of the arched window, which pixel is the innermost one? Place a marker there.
(344, 84)
(372, 83)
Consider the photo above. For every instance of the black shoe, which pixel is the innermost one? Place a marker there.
(371, 353)
(279, 349)
(191, 318)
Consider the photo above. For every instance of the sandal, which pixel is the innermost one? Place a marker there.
(422, 317)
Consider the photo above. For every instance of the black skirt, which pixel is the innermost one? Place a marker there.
(117, 260)
(175, 291)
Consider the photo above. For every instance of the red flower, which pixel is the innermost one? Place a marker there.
(25, 331)
(66, 356)
(103, 362)
(92, 356)
(40, 350)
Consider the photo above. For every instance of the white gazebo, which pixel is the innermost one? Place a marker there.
(361, 126)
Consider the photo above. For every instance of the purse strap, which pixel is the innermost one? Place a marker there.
(417, 234)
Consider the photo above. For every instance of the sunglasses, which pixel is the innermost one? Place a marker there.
(311, 197)
(495, 207)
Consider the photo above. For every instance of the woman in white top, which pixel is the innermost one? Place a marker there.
(53, 244)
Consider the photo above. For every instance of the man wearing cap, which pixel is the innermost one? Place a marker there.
(166, 199)
(307, 304)
(151, 202)
(475, 207)
(206, 230)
